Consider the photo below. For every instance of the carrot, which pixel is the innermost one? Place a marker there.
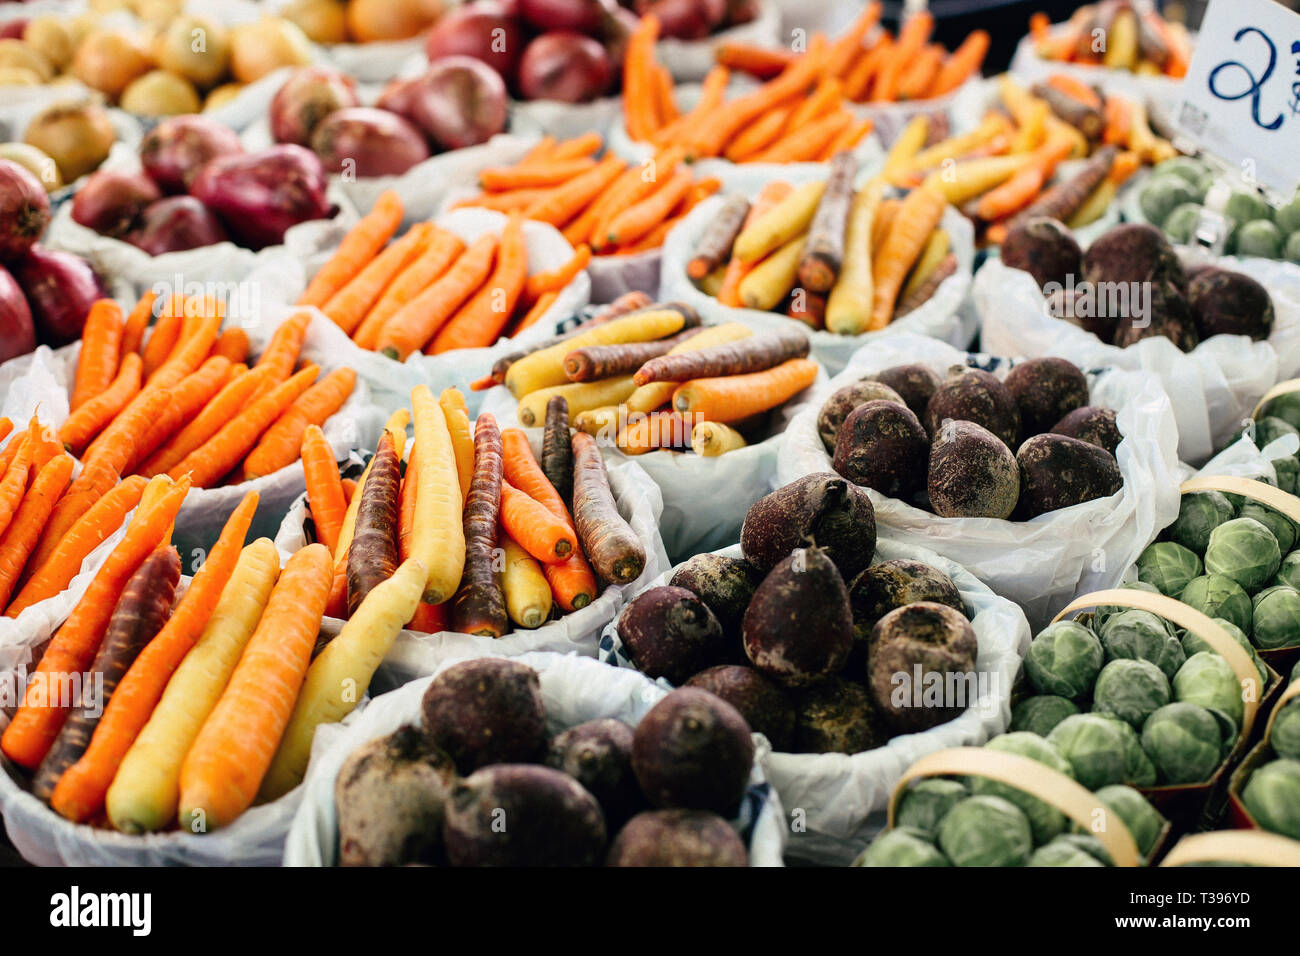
(430, 619)
(848, 44)
(1062, 200)
(557, 453)
(226, 765)
(752, 354)
(280, 444)
(19, 538)
(324, 489)
(936, 250)
(232, 344)
(6, 426)
(31, 732)
(349, 486)
(715, 244)
(771, 280)
(765, 131)
(886, 213)
(191, 350)
(1075, 89)
(479, 606)
(415, 323)
(437, 532)
(586, 144)
(920, 294)
(1083, 116)
(1126, 164)
(96, 480)
(532, 316)
(462, 438)
(654, 431)
(140, 613)
(234, 396)
(846, 139)
(640, 114)
(961, 64)
(372, 556)
(607, 361)
(216, 457)
(808, 308)
(1018, 191)
(539, 532)
(14, 484)
(734, 397)
(347, 307)
(634, 222)
(768, 198)
(776, 226)
(116, 445)
(806, 144)
(515, 199)
(823, 100)
(186, 399)
(713, 91)
(917, 217)
(635, 184)
(555, 280)
(528, 175)
(823, 253)
(565, 201)
(912, 37)
(479, 321)
(610, 543)
(757, 61)
(359, 246)
(406, 504)
(527, 592)
(53, 574)
(866, 71)
(136, 323)
(101, 339)
(166, 332)
(920, 74)
(442, 250)
(710, 439)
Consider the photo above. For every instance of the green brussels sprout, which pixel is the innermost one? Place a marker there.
(1195, 644)
(1247, 206)
(1259, 237)
(926, 802)
(986, 831)
(1094, 747)
(1287, 469)
(1143, 820)
(1285, 407)
(1064, 659)
(902, 846)
(1199, 513)
(1291, 248)
(1265, 430)
(1288, 572)
(1139, 771)
(1276, 618)
(1295, 671)
(1185, 741)
(1163, 194)
(1044, 820)
(1062, 852)
(1168, 566)
(1288, 217)
(1103, 613)
(1209, 680)
(1217, 595)
(1181, 222)
(1272, 795)
(1141, 635)
(1285, 735)
(1283, 528)
(1245, 551)
(1038, 715)
(1131, 689)
(1199, 175)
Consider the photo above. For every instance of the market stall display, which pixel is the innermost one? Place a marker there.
(1261, 788)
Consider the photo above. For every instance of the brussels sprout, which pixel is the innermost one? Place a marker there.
(1199, 175)
(1141, 635)
(1194, 644)
(1288, 572)
(1285, 407)
(1162, 195)
(1217, 595)
(1283, 528)
(1038, 715)
(1044, 820)
(1064, 659)
(1102, 615)
(1245, 551)
(1063, 852)
(1247, 205)
(1285, 735)
(1199, 513)
(1143, 820)
(1259, 238)
(1181, 222)
(1265, 430)
(1276, 618)
(1094, 747)
(1288, 471)
(1209, 680)
(1288, 216)
(1131, 689)
(986, 831)
(1185, 742)
(1291, 248)
(1139, 771)
(925, 803)
(1168, 566)
(902, 846)
(1272, 795)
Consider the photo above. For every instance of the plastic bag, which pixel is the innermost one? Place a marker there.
(943, 316)
(841, 795)
(564, 120)
(1213, 387)
(39, 383)
(574, 690)
(1042, 563)
(416, 655)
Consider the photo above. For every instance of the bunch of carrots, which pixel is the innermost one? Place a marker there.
(835, 258)
(1135, 38)
(191, 709)
(604, 207)
(427, 289)
(505, 539)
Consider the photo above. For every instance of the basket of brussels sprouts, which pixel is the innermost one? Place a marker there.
(1265, 790)
(1013, 802)
(1234, 848)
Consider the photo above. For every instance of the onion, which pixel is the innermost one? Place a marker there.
(324, 21)
(51, 39)
(60, 289)
(108, 61)
(257, 49)
(174, 49)
(175, 224)
(13, 29)
(306, 98)
(17, 334)
(615, 32)
(564, 66)
(18, 55)
(175, 150)
(580, 16)
(111, 202)
(24, 210)
(686, 19)
(222, 95)
(76, 135)
(258, 196)
(368, 142)
(481, 30)
(17, 76)
(160, 93)
(35, 162)
(375, 20)
(459, 102)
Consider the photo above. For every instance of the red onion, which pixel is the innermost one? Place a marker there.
(111, 202)
(175, 150)
(13, 30)
(259, 196)
(484, 31)
(615, 32)
(175, 224)
(367, 142)
(307, 97)
(459, 102)
(60, 289)
(581, 16)
(685, 19)
(17, 335)
(564, 66)
(24, 209)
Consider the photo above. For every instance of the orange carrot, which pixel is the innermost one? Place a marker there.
(807, 143)
(14, 484)
(665, 107)
(544, 536)
(480, 320)
(166, 332)
(847, 139)
(1126, 164)
(912, 37)
(280, 444)
(961, 63)
(349, 486)
(97, 478)
(117, 444)
(585, 145)
(233, 344)
(762, 133)
(186, 399)
(565, 201)
(19, 538)
(534, 314)
(920, 74)
(531, 175)
(359, 246)
(557, 279)
(771, 194)
(415, 323)
(917, 217)
(864, 73)
(757, 61)
(824, 99)
(431, 618)
(191, 349)
(733, 397)
(1075, 89)
(1020, 190)
(136, 323)
(633, 185)
(347, 307)
(506, 201)
(654, 431)
(848, 45)
(885, 214)
(324, 489)
(640, 114)
(712, 92)
(443, 249)
(281, 353)
(101, 339)
(635, 221)
(227, 403)
(1118, 114)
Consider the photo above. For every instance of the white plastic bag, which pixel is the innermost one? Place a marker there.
(842, 794)
(574, 691)
(1042, 563)
(39, 383)
(1213, 387)
(564, 120)
(943, 316)
(415, 655)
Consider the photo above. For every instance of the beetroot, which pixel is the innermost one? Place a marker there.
(677, 838)
(821, 508)
(175, 224)
(670, 633)
(598, 754)
(175, 151)
(259, 196)
(24, 210)
(693, 750)
(365, 142)
(487, 710)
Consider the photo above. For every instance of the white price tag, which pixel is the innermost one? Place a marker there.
(1241, 95)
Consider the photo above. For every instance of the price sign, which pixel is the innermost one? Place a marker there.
(1241, 95)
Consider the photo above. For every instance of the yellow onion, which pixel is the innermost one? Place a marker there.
(195, 48)
(108, 60)
(52, 39)
(160, 93)
(77, 135)
(22, 56)
(34, 161)
(257, 49)
(375, 20)
(324, 21)
(222, 95)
